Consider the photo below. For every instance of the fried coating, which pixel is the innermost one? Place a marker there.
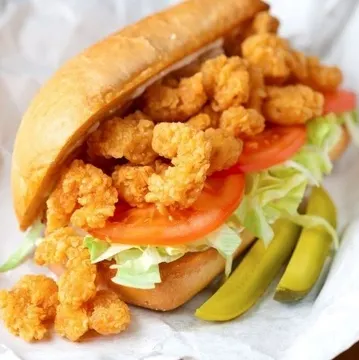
(130, 137)
(240, 121)
(171, 100)
(43, 293)
(189, 151)
(84, 196)
(27, 308)
(226, 81)
(109, 314)
(201, 121)
(257, 88)
(213, 115)
(56, 247)
(225, 149)
(131, 182)
(71, 323)
(271, 54)
(77, 284)
(22, 317)
(321, 77)
(290, 105)
(263, 23)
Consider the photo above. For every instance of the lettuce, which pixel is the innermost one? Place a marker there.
(138, 266)
(351, 121)
(278, 191)
(28, 245)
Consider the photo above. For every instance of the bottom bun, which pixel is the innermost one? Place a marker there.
(181, 279)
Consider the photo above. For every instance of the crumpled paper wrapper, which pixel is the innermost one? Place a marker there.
(36, 37)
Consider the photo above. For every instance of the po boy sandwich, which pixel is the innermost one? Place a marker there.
(161, 153)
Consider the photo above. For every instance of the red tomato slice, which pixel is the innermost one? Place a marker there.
(271, 147)
(339, 102)
(147, 226)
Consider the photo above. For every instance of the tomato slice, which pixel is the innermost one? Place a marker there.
(271, 147)
(339, 102)
(147, 226)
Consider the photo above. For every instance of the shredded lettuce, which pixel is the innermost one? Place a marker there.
(277, 192)
(312, 221)
(351, 121)
(28, 245)
(138, 266)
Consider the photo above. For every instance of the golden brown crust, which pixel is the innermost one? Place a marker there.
(102, 78)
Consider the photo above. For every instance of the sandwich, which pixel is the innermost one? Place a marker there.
(162, 152)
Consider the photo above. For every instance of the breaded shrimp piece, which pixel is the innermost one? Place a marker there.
(225, 149)
(43, 293)
(55, 248)
(257, 88)
(131, 182)
(201, 121)
(226, 81)
(77, 284)
(130, 137)
(290, 105)
(264, 23)
(189, 150)
(240, 121)
(84, 196)
(71, 323)
(171, 100)
(271, 54)
(109, 314)
(321, 77)
(22, 317)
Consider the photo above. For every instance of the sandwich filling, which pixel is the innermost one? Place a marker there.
(230, 141)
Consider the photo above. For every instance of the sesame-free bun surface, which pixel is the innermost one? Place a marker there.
(102, 78)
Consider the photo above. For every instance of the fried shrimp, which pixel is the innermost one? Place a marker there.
(292, 105)
(321, 77)
(43, 292)
(109, 314)
(263, 23)
(84, 196)
(130, 138)
(55, 248)
(172, 100)
(77, 284)
(71, 323)
(189, 150)
(27, 308)
(271, 54)
(240, 121)
(225, 149)
(226, 81)
(201, 121)
(131, 182)
(258, 91)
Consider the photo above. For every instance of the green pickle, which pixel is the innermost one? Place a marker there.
(252, 277)
(313, 248)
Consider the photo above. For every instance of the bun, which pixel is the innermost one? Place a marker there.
(187, 276)
(102, 79)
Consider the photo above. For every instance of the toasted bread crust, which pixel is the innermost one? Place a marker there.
(103, 78)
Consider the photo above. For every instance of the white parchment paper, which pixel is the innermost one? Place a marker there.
(36, 36)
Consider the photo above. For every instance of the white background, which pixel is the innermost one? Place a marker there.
(35, 38)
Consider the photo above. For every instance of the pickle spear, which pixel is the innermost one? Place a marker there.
(253, 275)
(309, 256)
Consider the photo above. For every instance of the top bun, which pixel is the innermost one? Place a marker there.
(102, 79)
